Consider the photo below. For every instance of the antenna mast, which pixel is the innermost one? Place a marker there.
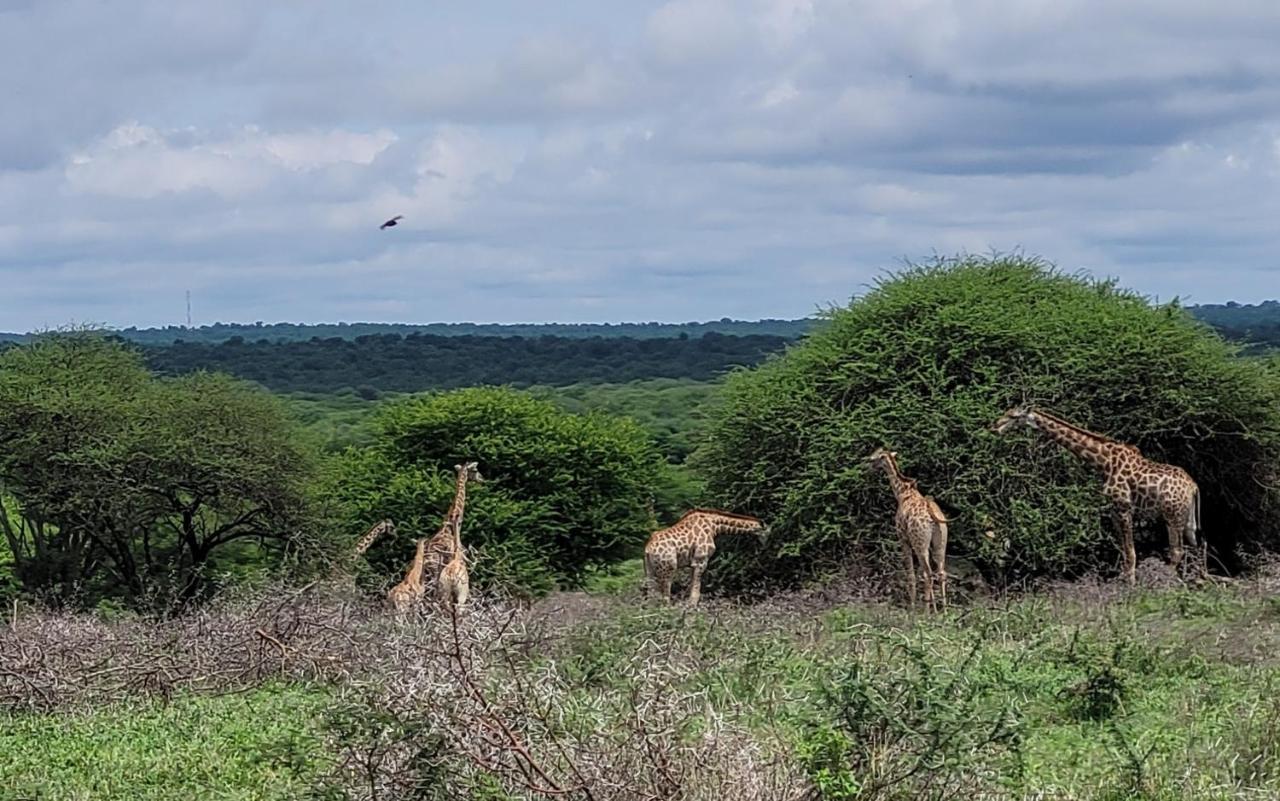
(188, 308)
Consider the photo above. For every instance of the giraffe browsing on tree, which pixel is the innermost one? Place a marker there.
(454, 585)
(342, 568)
(690, 542)
(1135, 485)
(922, 529)
(440, 546)
(375, 531)
(405, 595)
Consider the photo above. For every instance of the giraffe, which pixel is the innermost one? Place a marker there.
(341, 569)
(454, 585)
(402, 597)
(440, 546)
(375, 531)
(1135, 485)
(922, 530)
(690, 542)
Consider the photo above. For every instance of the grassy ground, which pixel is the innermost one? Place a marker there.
(1087, 692)
(259, 745)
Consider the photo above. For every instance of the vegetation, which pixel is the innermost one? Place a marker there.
(391, 363)
(563, 493)
(1079, 694)
(928, 360)
(298, 332)
(266, 744)
(119, 485)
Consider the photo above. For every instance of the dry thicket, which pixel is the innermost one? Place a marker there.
(439, 706)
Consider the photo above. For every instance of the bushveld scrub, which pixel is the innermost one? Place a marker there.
(1082, 693)
(927, 360)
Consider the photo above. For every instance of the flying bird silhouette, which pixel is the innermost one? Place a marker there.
(391, 222)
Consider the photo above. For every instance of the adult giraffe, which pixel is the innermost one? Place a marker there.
(1135, 485)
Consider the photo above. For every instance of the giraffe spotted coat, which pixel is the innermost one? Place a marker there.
(690, 542)
(1137, 487)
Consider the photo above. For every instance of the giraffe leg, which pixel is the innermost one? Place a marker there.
(1124, 519)
(939, 554)
(909, 565)
(926, 575)
(1176, 532)
(695, 583)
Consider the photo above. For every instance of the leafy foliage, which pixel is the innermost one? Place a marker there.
(121, 485)
(924, 364)
(563, 493)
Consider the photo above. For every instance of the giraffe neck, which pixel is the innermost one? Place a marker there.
(459, 496)
(414, 575)
(372, 534)
(900, 484)
(724, 524)
(1087, 446)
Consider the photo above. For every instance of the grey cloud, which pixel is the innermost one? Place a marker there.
(585, 161)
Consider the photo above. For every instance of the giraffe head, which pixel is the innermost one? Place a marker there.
(884, 459)
(472, 470)
(1017, 416)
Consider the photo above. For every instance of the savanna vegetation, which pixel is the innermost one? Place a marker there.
(177, 542)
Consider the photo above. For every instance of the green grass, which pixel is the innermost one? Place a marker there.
(261, 745)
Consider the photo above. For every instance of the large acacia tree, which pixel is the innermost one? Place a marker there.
(119, 484)
(929, 358)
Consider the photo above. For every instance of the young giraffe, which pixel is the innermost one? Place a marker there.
(690, 542)
(922, 529)
(405, 595)
(454, 586)
(1133, 483)
(440, 546)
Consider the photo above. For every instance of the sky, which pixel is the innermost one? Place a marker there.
(589, 161)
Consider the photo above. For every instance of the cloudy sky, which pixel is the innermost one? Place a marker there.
(587, 160)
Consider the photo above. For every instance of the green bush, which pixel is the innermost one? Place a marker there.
(928, 359)
(563, 494)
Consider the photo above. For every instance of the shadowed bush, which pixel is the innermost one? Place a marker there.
(927, 360)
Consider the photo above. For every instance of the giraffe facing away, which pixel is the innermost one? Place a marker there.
(454, 586)
(405, 595)
(922, 530)
(440, 546)
(690, 542)
(1136, 486)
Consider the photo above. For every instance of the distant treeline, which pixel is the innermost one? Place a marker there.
(1256, 325)
(394, 363)
(1259, 324)
(295, 332)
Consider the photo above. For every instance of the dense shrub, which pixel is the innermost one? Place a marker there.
(563, 493)
(118, 485)
(927, 360)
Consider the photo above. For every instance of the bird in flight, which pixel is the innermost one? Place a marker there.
(391, 222)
